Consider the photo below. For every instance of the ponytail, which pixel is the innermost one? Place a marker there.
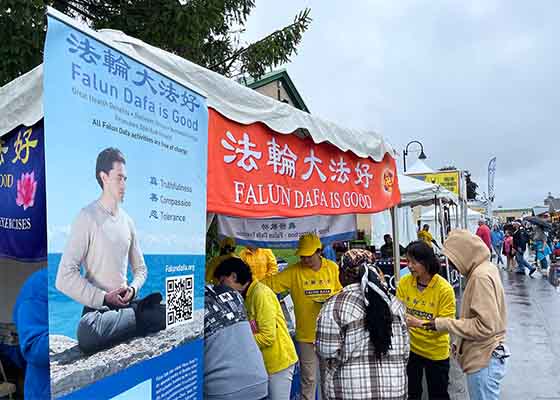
(379, 318)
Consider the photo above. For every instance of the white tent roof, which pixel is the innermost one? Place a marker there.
(415, 192)
(471, 215)
(21, 100)
(419, 167)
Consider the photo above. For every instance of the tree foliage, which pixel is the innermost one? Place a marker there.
(206, 32)
(472, 187)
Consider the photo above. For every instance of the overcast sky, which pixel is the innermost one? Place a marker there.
(470, 80)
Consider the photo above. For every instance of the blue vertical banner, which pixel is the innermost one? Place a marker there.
(23, 234)
(126, 163)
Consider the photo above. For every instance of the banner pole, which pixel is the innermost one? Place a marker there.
(396, 246)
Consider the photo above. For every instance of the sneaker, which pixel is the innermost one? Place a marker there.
(520, 272)
(532, 272)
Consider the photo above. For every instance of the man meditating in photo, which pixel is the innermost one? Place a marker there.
(104, 242)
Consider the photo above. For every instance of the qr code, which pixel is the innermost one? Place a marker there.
(179, 299)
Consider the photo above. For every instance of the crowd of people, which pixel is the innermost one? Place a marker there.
(354, 339)
(516, 240)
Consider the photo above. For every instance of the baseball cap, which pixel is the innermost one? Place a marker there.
(308, 245)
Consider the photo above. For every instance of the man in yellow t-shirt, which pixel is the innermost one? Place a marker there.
(227, 250)
(261, 261)
(268, 324)
(310, 282)
(426, 236)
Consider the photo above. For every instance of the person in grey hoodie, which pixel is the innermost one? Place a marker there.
(233, 364)
(481, 329)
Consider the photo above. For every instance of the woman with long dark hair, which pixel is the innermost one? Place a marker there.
(362, 338)
(427, 296)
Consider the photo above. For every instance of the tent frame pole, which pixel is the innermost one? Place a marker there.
(396, 246)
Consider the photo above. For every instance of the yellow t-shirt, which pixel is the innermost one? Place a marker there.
(269, 328)
(426, 237)
(213, 264)
(436, 300)
(309, 290)
(261, 261)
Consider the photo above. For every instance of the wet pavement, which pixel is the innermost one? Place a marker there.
(534, 338)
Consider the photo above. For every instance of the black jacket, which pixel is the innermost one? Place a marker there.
(387, 250)
(520, 239)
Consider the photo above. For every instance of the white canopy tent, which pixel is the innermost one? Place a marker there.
(428, 217)
(381, 224)
(21, 103)
(21, 100)
(419, 167)
(400, 220)
(414, 192)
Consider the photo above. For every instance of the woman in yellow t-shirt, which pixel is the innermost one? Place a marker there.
(227, 250)
(261, 261)
(311, 282)
(427, 296)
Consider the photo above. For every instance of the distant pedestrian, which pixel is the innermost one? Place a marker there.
(362, 337)
(483, 232)
(481, 329)
(508, 250)
(542, 250)
(556, 247)
(426, 295)
(497, 242)
(520, 240)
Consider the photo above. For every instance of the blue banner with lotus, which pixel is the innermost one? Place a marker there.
(23, 232)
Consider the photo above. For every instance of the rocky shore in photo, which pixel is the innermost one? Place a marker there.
(71, 369)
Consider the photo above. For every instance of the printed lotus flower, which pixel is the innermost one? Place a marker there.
(26, 189)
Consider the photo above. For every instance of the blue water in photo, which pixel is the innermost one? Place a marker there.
(64, 313)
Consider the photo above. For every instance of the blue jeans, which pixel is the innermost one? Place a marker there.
(544, 263)
(521, 262)
(485, 384)
(498, 251)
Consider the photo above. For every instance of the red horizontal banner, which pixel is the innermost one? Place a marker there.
(255, 172)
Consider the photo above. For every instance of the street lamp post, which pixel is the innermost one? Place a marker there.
(422, 155)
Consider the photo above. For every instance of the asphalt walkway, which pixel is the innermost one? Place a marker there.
(534, 338)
